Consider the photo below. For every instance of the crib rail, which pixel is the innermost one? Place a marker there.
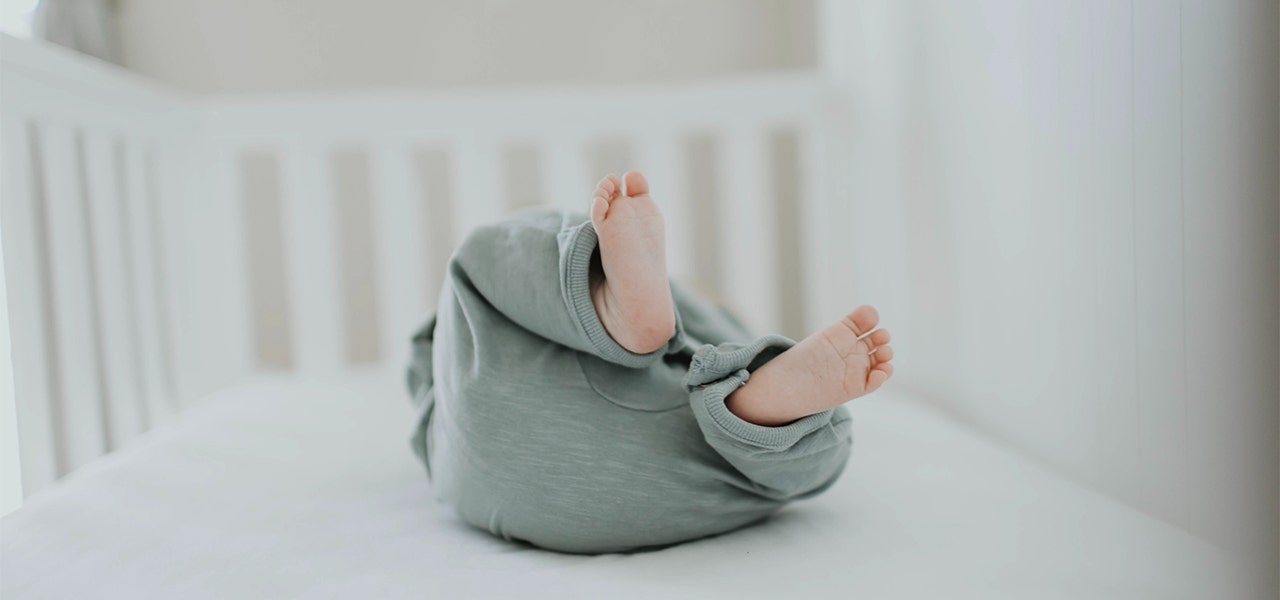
(158, 246)
(563, 131)
(85, 201)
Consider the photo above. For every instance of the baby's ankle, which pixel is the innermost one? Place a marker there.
(638, 329)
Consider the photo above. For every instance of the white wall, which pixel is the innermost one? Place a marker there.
(1069, 211)
(276, 45)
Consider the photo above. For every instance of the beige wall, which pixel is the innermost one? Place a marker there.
(276, 45)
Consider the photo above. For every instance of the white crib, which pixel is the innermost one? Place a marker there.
(139, 298)
(132, 273)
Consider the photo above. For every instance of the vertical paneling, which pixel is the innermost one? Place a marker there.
(310, 259)
(115, 292)
(477, 196)
(141, 256)
(662, 159)
(28, 312)
(1158, 267)
(401, 248)
(79, 416)
(748, 230)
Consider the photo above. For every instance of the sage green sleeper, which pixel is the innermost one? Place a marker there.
(536, 426)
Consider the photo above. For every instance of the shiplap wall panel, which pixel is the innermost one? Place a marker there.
(25, 286)
(80, 426)
(125, 403)
(310, 258)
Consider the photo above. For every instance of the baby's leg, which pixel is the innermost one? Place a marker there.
(632, 295)
(844, 361)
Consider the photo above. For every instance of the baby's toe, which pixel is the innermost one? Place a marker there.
(863, 319)
(878, 375)
(599, 210)
(634, 184)
(884, 354)
(608, 186)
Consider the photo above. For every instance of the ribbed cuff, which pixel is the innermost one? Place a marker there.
(577, 245)
(716, 372)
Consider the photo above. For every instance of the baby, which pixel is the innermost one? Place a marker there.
(571, 397)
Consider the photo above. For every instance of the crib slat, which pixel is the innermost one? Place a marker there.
(820, 300)
(568, 183)
(140, 250)
(310, 259)
(748, 228)
(661, 157)
(28, 316)
(477, 199)
(80, 429)
(121, 372)
(401, 252)
(166, 157)
(218, 276)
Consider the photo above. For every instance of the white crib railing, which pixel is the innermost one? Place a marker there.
(141, 226)
(84, 217)
(473, 130)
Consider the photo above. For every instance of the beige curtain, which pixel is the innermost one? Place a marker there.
(85, 25)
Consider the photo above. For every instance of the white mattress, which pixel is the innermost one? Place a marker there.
(281, 489)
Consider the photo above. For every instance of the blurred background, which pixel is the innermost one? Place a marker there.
(243, 46)
(1067, 212)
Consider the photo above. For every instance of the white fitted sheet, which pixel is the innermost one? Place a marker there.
(284, 489)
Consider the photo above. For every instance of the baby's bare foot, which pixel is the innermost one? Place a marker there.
(833, 366)
(633, 298)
